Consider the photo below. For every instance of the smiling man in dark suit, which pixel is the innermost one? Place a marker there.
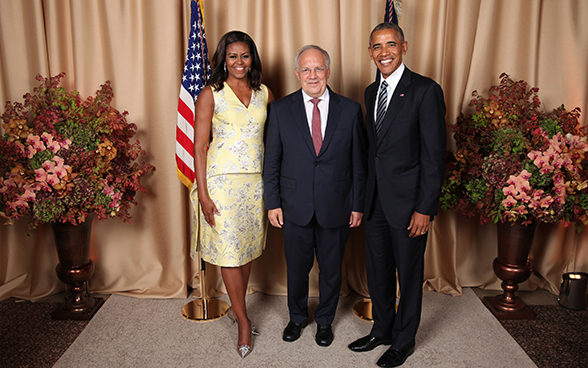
(314, 185)
(406, 133)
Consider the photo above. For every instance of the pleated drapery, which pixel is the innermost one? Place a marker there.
(140, 47)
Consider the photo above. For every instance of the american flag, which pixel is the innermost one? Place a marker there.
(390, 15)
(194, 79)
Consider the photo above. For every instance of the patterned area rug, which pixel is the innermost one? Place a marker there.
(558, 337)
(30, 338)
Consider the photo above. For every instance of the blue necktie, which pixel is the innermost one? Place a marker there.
(382, 99)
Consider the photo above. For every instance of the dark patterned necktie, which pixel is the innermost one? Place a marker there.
(382, 99)
(317, 137)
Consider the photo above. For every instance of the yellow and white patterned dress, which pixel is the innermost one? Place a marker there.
(234, 178)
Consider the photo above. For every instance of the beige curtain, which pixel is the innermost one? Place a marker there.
(140, 47)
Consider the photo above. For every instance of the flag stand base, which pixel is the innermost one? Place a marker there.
(204, 310)
(363, 310)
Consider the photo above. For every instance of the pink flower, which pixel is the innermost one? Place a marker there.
(546, 201)
(48, 165)
(52, 178)
(555, 143)
(523, 197)
(46, 136)
(29, 195)
(546, 169)
(108, 190)
(60, 169)
(511, 190)
(20, 202)
(53, 146)
(509, 202)
(540, 160)
(525, 175)
(30, 151)
(520, 182)
(534, 203)
(115, 200)
(41, 175)
(36, 142)
(8, 183)
(558, 162)
(65, 144)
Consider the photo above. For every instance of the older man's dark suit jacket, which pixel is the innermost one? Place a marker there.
(316, 193)
(405, 171)
(330, 185)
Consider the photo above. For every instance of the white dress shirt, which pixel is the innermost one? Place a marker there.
(323, 107)
(392, 81)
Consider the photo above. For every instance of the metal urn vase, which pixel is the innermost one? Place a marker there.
(512, 266)
(74, 269)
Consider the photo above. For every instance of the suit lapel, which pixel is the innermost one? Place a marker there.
(398, 97)
(332, 120)
(369, 107)
(299, 114)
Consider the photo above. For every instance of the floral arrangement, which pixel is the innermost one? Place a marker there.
(62, 157)
(515, 162)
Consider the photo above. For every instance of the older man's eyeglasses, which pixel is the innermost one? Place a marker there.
(308, 71)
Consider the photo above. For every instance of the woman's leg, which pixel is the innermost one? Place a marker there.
(246, 272)
(234, 280)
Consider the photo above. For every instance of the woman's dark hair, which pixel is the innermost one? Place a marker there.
(219, 75)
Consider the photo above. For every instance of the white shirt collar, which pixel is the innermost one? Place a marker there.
(394, 78)
(323, 97)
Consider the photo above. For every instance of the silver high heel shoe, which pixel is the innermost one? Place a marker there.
(245, 349)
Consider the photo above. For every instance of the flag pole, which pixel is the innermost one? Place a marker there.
(204, 309)
(194, 79)
(363, 309)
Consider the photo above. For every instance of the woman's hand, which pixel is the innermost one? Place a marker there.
(209, 209)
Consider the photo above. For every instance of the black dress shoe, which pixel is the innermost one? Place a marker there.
(324, 335)
(368, 343)
(293, 331)
(395, 357)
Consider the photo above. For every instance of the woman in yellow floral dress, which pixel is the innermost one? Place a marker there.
(228, 191)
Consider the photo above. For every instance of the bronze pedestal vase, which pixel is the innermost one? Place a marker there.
(74, 269)
(512, 267)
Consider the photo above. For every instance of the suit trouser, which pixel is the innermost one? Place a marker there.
(300, 244)
(389, 250)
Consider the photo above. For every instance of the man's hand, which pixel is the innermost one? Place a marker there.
(355, 219)
(276, 217)
(419, 224)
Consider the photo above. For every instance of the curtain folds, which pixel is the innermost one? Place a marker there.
(140, 47)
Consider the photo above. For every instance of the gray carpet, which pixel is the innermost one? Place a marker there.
(129, 332)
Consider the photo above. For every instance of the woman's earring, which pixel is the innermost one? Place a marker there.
(249, 70)
(225, 66)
